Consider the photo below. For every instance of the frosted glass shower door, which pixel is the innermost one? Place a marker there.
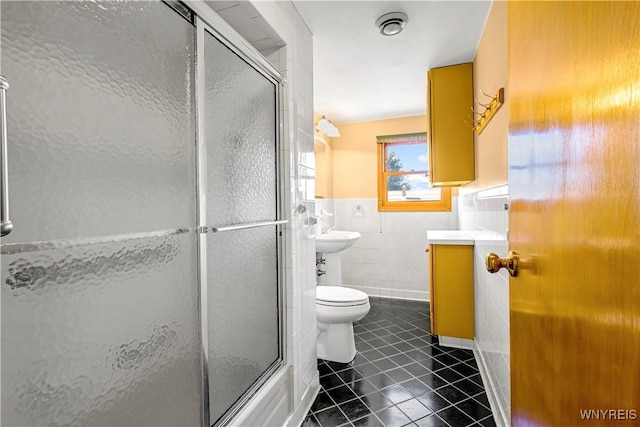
(99, 286)
(242, 252)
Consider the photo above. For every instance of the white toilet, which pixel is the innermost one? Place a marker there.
(337, 308)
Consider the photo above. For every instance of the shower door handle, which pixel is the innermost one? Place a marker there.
(247, 225)
(5, 224)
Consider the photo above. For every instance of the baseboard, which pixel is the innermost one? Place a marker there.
(456, 342)
(391, 297)
(499, 414)
(306, 402)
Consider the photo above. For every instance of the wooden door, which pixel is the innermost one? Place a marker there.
(574, 176)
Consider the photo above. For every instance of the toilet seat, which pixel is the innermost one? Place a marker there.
(338, 296)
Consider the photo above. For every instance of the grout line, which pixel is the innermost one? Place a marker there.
(412, 341)
(498, 412)
(476, 395)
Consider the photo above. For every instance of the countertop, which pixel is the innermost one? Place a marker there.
(449, 237)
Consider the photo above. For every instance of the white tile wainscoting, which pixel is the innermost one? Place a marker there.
(389, 259)
(483, 215)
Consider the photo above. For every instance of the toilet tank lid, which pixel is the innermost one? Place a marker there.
(339, 294)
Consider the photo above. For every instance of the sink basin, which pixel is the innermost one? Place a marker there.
(336, 241)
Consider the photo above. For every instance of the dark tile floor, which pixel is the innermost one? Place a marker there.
(400, 376)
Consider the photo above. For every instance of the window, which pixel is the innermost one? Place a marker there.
(403, 176)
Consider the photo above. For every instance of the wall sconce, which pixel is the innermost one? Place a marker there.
(327, 126)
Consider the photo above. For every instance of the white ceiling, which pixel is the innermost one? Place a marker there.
(361, 75)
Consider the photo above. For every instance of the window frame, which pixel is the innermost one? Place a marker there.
(384, 205)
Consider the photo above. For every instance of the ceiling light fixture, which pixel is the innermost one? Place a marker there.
(327, 127)
(392, 23)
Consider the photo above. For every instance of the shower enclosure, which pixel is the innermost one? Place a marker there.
(141, 283)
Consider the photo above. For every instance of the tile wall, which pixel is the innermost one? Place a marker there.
(299, 164)
(484, 216)
(389, 259)
(277, 30)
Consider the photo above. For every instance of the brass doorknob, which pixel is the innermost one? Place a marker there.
(511, 263)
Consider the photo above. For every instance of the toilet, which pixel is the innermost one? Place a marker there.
(337, 308)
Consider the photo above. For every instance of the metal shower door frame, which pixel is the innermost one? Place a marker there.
(208, 21)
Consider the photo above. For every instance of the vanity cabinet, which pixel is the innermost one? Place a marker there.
(451, 290)
(449, 119)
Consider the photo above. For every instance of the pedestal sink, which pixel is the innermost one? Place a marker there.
(328, 248)
(336, 241)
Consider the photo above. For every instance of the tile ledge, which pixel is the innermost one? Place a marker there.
(485, 235)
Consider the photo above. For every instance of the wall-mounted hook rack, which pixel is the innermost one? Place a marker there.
(490, 110)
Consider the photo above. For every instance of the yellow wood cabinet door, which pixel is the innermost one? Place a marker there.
(574, 180)
(452, 290)
(450, 137)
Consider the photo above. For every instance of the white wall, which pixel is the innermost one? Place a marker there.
(483, 214)
(389, 260)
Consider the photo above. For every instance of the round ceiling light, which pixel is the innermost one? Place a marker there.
(392, 23)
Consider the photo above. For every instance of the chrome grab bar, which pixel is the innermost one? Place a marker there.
(247, 225)
(5, 224)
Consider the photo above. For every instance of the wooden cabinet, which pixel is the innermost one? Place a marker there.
(451, 288)
(449, 117)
